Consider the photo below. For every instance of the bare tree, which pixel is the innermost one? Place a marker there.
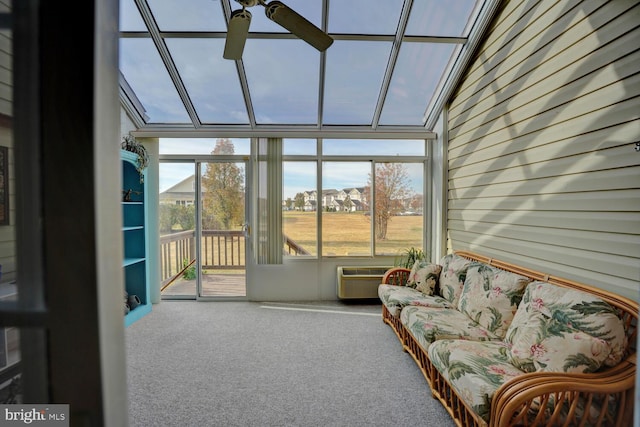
(391, 188)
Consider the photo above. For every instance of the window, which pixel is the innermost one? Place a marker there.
(300, 208)
(370, 197)
(346, 225)
(195, 146)
(399, 204)
(376, 147)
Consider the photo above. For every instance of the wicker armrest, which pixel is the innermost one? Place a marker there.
(549, 398)
(396, 276)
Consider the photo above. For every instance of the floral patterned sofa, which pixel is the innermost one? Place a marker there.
(504, 345)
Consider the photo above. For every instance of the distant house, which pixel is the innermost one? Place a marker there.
(353, 205)
(352, 199)
(346, 200)
(356, 193)
(310, 195)
(183, 193)
(335, 205)
(310, 206)
(328, 196)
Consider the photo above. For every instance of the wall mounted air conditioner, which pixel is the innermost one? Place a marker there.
(359, 282)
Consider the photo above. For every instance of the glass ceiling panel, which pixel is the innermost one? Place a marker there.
(414, 81)
(212, 81)
(191, 15)
(130, 19)
(354, 74)
(439, 18)
(143, 69)
(283, 74)
(310, 9)
(362, 17)
(283, 80)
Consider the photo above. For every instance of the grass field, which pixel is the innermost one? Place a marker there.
(350, 233)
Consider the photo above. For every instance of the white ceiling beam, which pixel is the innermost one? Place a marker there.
(393, 59)
(334, 132)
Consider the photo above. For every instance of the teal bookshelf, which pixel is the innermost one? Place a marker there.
(135, 237)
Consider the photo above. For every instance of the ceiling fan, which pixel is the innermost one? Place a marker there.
(279, 13)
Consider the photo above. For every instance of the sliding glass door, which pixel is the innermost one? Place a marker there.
(222, 248)
(202, 229)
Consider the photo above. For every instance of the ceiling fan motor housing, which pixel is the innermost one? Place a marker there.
(248, 3)
(281, 14)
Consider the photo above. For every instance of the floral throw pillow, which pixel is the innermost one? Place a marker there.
(454, 272)
(418, 265)
(411, 280)
(560, 329)
(425, 277)
(490, 296)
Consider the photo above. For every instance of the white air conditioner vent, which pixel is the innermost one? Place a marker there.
(359, 282)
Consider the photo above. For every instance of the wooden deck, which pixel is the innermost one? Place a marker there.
(213, 285)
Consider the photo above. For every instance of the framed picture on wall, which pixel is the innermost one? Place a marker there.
(4, 186)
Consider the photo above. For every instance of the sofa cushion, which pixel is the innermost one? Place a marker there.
(424, 276)
(560, 329)
(475, 369)
(565, 350)
(490, 296)
(452, 276)
(428, 324)
(397, 297)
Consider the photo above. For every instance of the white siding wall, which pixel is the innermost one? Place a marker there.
(543, 169)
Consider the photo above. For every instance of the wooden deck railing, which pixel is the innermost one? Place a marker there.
(293, 248)
(176, 250)
(221, 250)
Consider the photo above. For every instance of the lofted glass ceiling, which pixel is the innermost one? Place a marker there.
(389, 68)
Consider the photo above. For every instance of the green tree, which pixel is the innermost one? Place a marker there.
(172, 217)
(391, 188)
(299, 202)
(223, 183)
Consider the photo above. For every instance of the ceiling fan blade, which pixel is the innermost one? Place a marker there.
(237, 33)
(283, 15)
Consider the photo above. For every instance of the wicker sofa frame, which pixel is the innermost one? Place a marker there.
(523, 400)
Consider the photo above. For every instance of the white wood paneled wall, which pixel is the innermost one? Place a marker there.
(542, 163)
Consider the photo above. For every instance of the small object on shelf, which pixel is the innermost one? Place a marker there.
(126, 194)
(134, 301)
